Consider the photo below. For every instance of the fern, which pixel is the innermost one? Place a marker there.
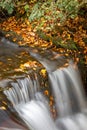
(7, 5)
(36, 12)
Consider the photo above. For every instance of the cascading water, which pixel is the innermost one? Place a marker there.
(30, 104)
(67, 89)
(33, 108)
(22, 90)
(65, 83)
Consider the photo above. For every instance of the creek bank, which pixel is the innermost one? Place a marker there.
(23, 55)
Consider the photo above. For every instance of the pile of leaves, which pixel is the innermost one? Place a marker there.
(40, 24)
(68, 39)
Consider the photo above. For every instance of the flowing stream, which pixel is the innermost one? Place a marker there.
(32, 106)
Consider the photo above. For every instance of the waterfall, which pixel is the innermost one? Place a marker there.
(65, 82)
(76, 122)
(36, 115)
(67, 89)
(22, 90)
(32, 106)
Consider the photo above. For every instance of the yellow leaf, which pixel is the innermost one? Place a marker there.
(43, 72)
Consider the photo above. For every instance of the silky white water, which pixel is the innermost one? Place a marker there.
(67, 89)
(68, 92)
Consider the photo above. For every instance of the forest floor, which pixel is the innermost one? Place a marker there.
(71, 39)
